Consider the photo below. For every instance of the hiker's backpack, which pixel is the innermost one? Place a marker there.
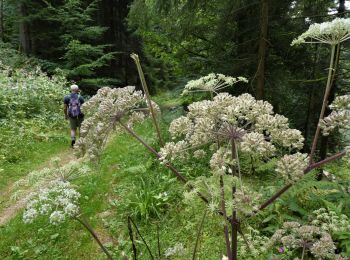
(74, 106)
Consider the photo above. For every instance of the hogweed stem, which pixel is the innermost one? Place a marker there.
(306, 171)
(135, 57)
(324, 104)
(94, 235)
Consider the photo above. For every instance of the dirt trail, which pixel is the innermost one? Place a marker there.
(11, 207)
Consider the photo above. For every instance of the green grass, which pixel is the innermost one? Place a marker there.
(128, 182)
(37, 155)
(106, 196)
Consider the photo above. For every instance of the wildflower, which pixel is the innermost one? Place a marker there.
(59, 200)
(199, 154)
(323, 248)
(220, 159)
(330, 221)
(107, 105)
(212, 83)
(177, 250)
(333, 32)
(292, 167)
(173, 151)
(180, 126)
(29, 215)
(255, 144)
(256, 243)
(293, 236)
(57, 217)
(339, 117)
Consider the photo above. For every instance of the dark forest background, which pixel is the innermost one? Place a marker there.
(178, 40)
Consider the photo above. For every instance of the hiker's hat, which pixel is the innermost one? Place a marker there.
(74, 87)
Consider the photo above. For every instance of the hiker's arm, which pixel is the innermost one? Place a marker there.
(65, 110)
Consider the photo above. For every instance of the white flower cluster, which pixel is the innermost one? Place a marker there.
(177, 250)
(277, 127)
(330, 221)
(294, 236)
(256, 145)
(209, 187)
(246, 119)
(173, 151)
(198, 154)
(180, 127)
(220, 160)
(35, 179)
(100, 111)
(245, 200)
(58, 201)
(211, 83)
(292, 167)
(339, 117)
(333, 32)
(256, 243)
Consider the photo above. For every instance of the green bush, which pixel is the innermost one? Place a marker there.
(30, 110)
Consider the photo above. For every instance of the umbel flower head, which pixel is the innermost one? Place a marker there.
(333, 32)
(34, 179)
(294, 236)
(107, 105)
(251, 123)
(330, 221)
(225, 127)
(245, 201)
(58, 201)
(211, 83)
(339, 117)
(292, 167)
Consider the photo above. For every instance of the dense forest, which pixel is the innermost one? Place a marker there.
(91, 41)
(246, 47)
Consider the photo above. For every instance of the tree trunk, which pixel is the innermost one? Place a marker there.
(262, 49)
(24, 34)
(310, 118)
(1, 20)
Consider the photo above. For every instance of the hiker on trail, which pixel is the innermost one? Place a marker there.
(72, 104)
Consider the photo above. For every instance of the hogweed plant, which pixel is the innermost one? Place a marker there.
(339, 117)
(212, 83)
(314, 237)
(307, 238)
(59, 202)
(332, 33)
(231, 126)
(136, 59)
(36, 179)
(226, 129)
(109, 103)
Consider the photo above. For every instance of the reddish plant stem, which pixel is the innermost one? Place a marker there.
(324, 104)
(234, 220)
(135, 57)
(307, 170)
(130, 221)
(199, 232)
(182, 178)
(223, 210)
(94, 235)
(325, 161)
(131, 235)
